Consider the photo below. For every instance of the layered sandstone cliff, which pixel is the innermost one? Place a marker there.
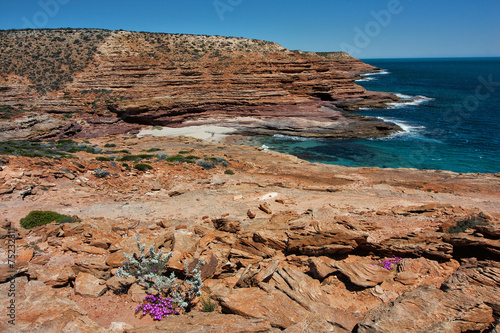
(174, 80)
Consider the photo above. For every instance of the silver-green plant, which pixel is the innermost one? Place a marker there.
(150, 270)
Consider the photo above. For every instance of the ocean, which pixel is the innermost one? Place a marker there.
(450, 114)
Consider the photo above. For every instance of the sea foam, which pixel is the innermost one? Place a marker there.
(407, 100)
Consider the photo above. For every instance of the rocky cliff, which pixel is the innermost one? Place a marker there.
(112, 77)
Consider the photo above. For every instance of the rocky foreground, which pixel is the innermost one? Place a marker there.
(288, 246)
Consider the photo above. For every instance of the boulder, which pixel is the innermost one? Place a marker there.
(253, 275)
(54, 276)
(362, 274)
(491, 230)
(323, 243)
(274, 239)
(26, 254)
(300, 287)
(93, 265)
(115, 259)
(119, 284)
(482, 246)
(258, 304)
(228, 225)
(321, 267)
(88, 285)
(429, 245)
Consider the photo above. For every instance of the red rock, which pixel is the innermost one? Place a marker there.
(40, 309)
(54, 276)
(212, 322)
(251, 214)
(274, 239)
(363, 275)
(428, 309)
(88, 285)
(284, 217)
(93, 265)
(321, 267)
(116, 259)
(429, 245)
(7, 272)
(315, 243)
(256, 303)
(119, 284)
(26, 254)
(228, 225)
(265, 208)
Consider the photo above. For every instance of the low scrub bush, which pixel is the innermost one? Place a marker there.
(37, 218)
(99, 173)
(467, 223)
(182, 159)
(173, 295)
(143, 167)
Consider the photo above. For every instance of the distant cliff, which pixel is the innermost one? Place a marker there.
(168, 79)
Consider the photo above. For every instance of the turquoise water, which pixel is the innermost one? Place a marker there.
(452, 122)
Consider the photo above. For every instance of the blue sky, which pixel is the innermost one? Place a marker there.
(364, 28)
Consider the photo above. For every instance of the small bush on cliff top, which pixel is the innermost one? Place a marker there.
(468, 223)
(143, 167)
(37, 218)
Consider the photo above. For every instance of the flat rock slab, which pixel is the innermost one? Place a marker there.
(428, 309)
(363, 275)
(208, 323)
(88, 285)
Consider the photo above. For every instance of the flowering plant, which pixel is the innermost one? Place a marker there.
(157, 307)
(387, 263)
(149, 270)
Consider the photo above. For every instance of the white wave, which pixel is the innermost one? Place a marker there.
(380, 72)
(407, 128)
(403, 96)
(407, 100)
(365, 79)
(265, 147)
(291, 137)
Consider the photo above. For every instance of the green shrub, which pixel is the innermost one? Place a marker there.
(468, 223)
(135, 157)
(103, 158)
(37, 218)
(143, 167)
(229, 172)
(182, 159)
(206, 304)
(109, 145)
(99, 173)
(207, 165)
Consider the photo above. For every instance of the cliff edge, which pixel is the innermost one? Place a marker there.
(102, 81)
